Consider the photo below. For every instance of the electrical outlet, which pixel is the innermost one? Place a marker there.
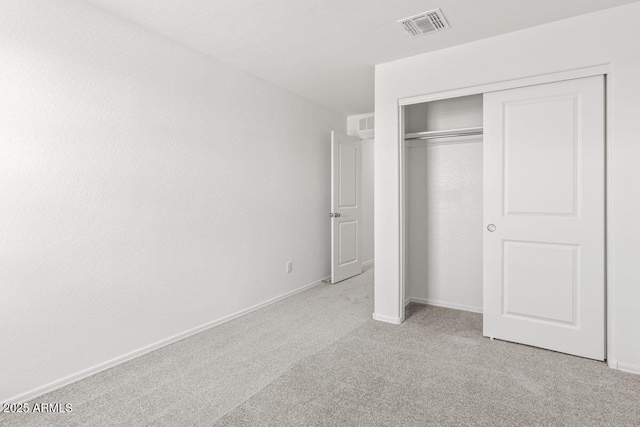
(289, 267)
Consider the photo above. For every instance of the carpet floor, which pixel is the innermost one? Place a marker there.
(318, 359)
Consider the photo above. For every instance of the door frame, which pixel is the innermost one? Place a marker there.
(605, 70)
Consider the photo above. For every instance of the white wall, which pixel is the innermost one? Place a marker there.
(445, 114)
(444, 224)
(367, 182)
(367, 199)
(606, 37)
(146, 190)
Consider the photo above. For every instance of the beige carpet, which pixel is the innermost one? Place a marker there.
(319, 359)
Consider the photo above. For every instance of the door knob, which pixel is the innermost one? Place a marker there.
(491, 228)
(337, 215)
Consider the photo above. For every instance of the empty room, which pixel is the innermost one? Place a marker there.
(319, 213)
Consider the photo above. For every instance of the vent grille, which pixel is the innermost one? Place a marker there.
(426, 22)
(365, 123)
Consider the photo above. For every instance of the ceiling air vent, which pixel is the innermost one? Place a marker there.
(425, 22)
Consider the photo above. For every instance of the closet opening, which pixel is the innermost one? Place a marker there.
(442, 208)
(503, 207)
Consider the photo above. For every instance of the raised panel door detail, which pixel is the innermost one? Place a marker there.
(540, 281)
(541, 156)
(348, 239)
(348, 175)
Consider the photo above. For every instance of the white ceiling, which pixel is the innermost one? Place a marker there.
(326, 50)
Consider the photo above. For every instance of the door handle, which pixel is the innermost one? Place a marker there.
(491, 228)
(334, 215)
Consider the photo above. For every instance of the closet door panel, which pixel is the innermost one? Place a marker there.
(528, 149)
(544, 282)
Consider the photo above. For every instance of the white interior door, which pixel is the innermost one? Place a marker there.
(346, 206)
(544, 207)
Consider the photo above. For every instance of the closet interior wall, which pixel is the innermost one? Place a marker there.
(443, 205)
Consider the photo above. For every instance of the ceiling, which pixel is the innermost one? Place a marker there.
(326, 50)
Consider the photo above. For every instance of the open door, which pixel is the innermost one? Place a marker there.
(544, 207)
(346, 206)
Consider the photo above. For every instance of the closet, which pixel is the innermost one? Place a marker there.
(443, 202)
(503, 211)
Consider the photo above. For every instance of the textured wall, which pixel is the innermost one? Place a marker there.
(443, 205)
(367, 199)
(444, 225)
(368, 148)
(146, 190)
(550, 48)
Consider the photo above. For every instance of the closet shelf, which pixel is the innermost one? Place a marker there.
(449, 133)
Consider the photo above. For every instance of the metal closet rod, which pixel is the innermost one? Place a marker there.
(450, 133)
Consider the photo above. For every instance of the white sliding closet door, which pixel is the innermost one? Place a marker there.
(544, 206)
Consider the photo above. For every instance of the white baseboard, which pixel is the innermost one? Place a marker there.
(368, 262)
(32, 394)
(445, 304)
(387, 319)
(625, 367)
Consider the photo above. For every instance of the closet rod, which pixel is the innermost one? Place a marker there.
(451, 133)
